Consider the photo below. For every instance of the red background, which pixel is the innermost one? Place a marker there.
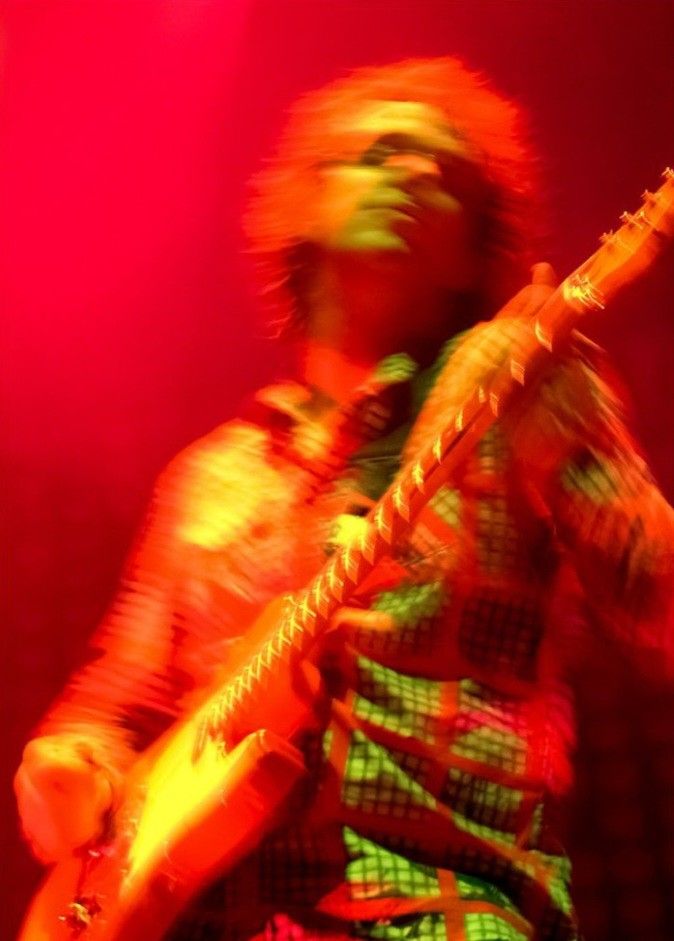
(128, 129)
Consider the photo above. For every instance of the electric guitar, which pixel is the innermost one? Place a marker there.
(210, 789)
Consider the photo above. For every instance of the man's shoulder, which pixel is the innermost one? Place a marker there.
(219, 485)
(246, 439)
(214, 453)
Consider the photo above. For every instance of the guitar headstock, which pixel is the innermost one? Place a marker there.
(628, 251)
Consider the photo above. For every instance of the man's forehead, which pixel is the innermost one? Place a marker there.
(375, 118)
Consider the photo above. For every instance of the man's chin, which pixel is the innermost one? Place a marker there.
(386, 250)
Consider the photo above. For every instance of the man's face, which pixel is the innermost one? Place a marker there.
(407, 198)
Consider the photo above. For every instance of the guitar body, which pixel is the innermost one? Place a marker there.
(182, 823)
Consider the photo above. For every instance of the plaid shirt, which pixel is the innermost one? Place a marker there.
(427, 812)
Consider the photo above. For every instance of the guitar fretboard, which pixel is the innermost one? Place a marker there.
(623, 255)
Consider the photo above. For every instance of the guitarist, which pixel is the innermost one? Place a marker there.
(396, 214)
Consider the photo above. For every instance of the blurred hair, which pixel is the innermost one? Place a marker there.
(283, 195)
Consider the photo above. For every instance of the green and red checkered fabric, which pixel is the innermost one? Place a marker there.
(447, 726)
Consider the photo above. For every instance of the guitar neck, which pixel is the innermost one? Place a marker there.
(623, 256)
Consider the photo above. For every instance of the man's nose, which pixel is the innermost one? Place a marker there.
(413, 165)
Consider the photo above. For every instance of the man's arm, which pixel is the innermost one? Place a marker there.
(573, 447)
(185, 598)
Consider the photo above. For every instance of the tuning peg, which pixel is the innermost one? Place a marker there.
(626, 217)
(668, 173)
(606, 236)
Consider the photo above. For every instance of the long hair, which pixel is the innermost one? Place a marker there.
(283, 201)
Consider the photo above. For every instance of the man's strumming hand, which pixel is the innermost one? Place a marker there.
(63, 794)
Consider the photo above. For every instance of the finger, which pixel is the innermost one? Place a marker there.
(55, 752)
(362, 618)
(543, 273)
(532, 296)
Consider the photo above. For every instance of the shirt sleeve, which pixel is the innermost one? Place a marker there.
(186, 596)
(574, 450)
